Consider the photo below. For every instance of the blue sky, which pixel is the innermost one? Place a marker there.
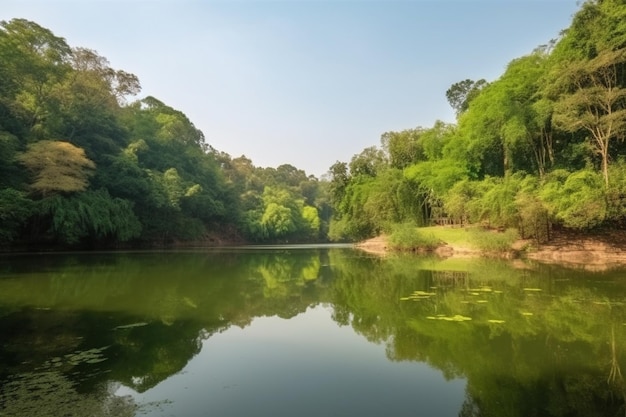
(304, 82)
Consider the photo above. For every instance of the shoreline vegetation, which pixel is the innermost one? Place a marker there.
(598, 251)
(539, 153)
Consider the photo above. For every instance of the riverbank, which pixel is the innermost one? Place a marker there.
(597, 252)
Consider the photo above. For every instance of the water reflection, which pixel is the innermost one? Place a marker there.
(306, 366)
(321, 329)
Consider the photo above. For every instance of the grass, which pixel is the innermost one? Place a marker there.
(453, 236)
(408, 237)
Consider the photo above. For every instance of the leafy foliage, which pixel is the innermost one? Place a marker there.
(527, 152)
(119, 169)
(407, 237)
(57, 167)
(540, 145)
(92, 214)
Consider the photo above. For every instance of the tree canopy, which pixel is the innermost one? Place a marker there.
(541, 146)
(85, 163)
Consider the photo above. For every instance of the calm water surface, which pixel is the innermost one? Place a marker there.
(307, 331)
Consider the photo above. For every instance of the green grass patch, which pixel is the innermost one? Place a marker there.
(407, 237)
(492, 240)
(473, 237)
(454, 236)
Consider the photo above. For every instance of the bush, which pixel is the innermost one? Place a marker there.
(406, 236)
(492, 240)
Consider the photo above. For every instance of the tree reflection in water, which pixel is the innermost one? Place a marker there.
(536, 340)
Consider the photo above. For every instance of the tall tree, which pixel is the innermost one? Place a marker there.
(369, 162)
(593, 99)
(403, 148)
(460, 94)
(34, 61)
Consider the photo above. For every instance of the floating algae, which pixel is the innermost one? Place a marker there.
(456, 317)
(495, 321)
(533, 289)
(481, 289)
(418, 295)
(423, 293)
(526, 313)
(130, 326)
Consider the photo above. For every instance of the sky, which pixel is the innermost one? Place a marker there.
(303, 82)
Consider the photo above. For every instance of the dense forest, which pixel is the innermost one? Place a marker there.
(540, 147)
(83, 163)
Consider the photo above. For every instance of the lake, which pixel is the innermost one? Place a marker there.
(307, 331)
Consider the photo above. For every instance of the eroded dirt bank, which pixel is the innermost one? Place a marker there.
(597, 252)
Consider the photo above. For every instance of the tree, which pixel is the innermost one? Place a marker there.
(119, 83)
(576, 199)
(460, 94)
(593, 99)
(57, 167)
(15, 209)
(34, 61)
(507, 127)
(92, 214)
(339, 180)
(403, 148)
(369, 162)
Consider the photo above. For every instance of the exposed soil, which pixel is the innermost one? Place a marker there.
(597, 252)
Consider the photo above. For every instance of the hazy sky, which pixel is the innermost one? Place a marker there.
(304, 82)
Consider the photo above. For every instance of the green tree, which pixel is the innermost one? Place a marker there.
(594, 100)
(15, 209)
(403, 148)
(92, 215)
(339, 180)
(34, 61)
(461, 94)
(534, 219)
(369, 162)
(577, 200)
(278, 220)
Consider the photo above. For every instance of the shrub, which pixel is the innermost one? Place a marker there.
(406, 236)
(492, 240)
